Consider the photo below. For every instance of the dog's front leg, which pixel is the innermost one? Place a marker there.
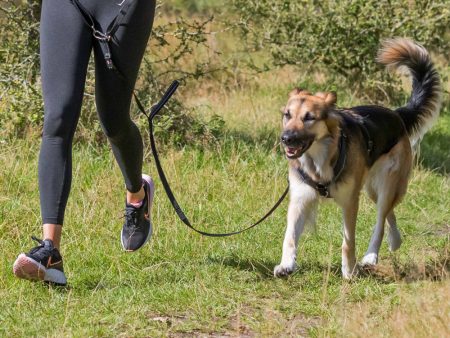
(350, 211)
(302, 207)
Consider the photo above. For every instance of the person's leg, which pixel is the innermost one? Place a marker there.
(65, 46)
(114, 94)
(113, 99)
(52, 232)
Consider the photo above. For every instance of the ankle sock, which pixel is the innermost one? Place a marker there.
(137, 205)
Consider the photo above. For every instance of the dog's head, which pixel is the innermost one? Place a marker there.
(305, 120)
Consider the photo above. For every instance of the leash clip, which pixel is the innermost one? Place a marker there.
(323, 190)
(100, 35)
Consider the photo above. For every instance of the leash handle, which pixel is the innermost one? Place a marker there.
(154, 111)
(167, 95)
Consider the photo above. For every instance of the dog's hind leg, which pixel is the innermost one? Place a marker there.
(302, 208)
(394, 238)
(371, 256)
(386, 186)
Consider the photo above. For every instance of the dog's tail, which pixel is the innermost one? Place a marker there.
(424, 104)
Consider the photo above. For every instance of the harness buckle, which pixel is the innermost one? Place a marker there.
(109, 63)
(100, 35)
(323, 190)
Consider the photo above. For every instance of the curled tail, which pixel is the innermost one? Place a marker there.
(424, 104)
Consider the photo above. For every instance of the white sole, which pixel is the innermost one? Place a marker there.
(27, 268)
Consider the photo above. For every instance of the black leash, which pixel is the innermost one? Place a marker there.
(154, 111)
(104, 39)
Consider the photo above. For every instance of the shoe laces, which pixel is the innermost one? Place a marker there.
(46, 248)
(131, 216)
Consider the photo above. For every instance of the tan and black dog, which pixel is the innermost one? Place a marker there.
(336, 152)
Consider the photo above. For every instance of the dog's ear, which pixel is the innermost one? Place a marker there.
(295, 91)
(330, 98)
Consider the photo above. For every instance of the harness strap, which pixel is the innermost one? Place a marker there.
(154, 111)
(117, 21)
(104, 38)
(359, 121)
(324, 188)
(367, 137)
(87, 17)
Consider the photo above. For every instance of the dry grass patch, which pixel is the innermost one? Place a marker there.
(421, 311)
(418, 307)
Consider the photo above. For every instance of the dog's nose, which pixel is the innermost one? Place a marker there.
(288, 138)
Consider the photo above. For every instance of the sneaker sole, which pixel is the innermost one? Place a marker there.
(27, 268)
(151, 188)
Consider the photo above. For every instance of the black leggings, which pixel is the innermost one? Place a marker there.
(66, 44)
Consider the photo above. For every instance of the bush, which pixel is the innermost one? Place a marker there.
(175, 54)
(194, 6)
(21, 102)
(340, 38)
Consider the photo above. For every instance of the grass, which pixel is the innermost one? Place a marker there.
(182, 284)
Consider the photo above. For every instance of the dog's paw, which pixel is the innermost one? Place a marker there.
(283, 270)
(369, 260)
(349, 273)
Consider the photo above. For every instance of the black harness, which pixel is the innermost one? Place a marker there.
(324, 188)
(105, 38)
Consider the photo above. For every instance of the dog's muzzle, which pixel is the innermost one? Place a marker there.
(296, 143)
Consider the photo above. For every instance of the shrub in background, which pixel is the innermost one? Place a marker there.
(195, 6)
(20, 93)
(340, 38)
(21, 102)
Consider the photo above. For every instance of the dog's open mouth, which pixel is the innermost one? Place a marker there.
(297, 151)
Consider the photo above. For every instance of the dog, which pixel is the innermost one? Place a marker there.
(335, 153)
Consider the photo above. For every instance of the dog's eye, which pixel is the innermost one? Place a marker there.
(309, 117)
(287, 114)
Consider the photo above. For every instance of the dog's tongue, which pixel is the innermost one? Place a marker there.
(292, 150)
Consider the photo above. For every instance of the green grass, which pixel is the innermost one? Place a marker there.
(182, 283)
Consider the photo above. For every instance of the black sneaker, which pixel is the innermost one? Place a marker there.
(137, 228)
(43, 262)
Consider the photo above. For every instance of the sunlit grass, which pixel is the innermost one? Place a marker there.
(182, 282)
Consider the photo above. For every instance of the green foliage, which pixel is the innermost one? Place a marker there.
(21, 105)
(194, 6)
(340, 38)
(175, 44)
